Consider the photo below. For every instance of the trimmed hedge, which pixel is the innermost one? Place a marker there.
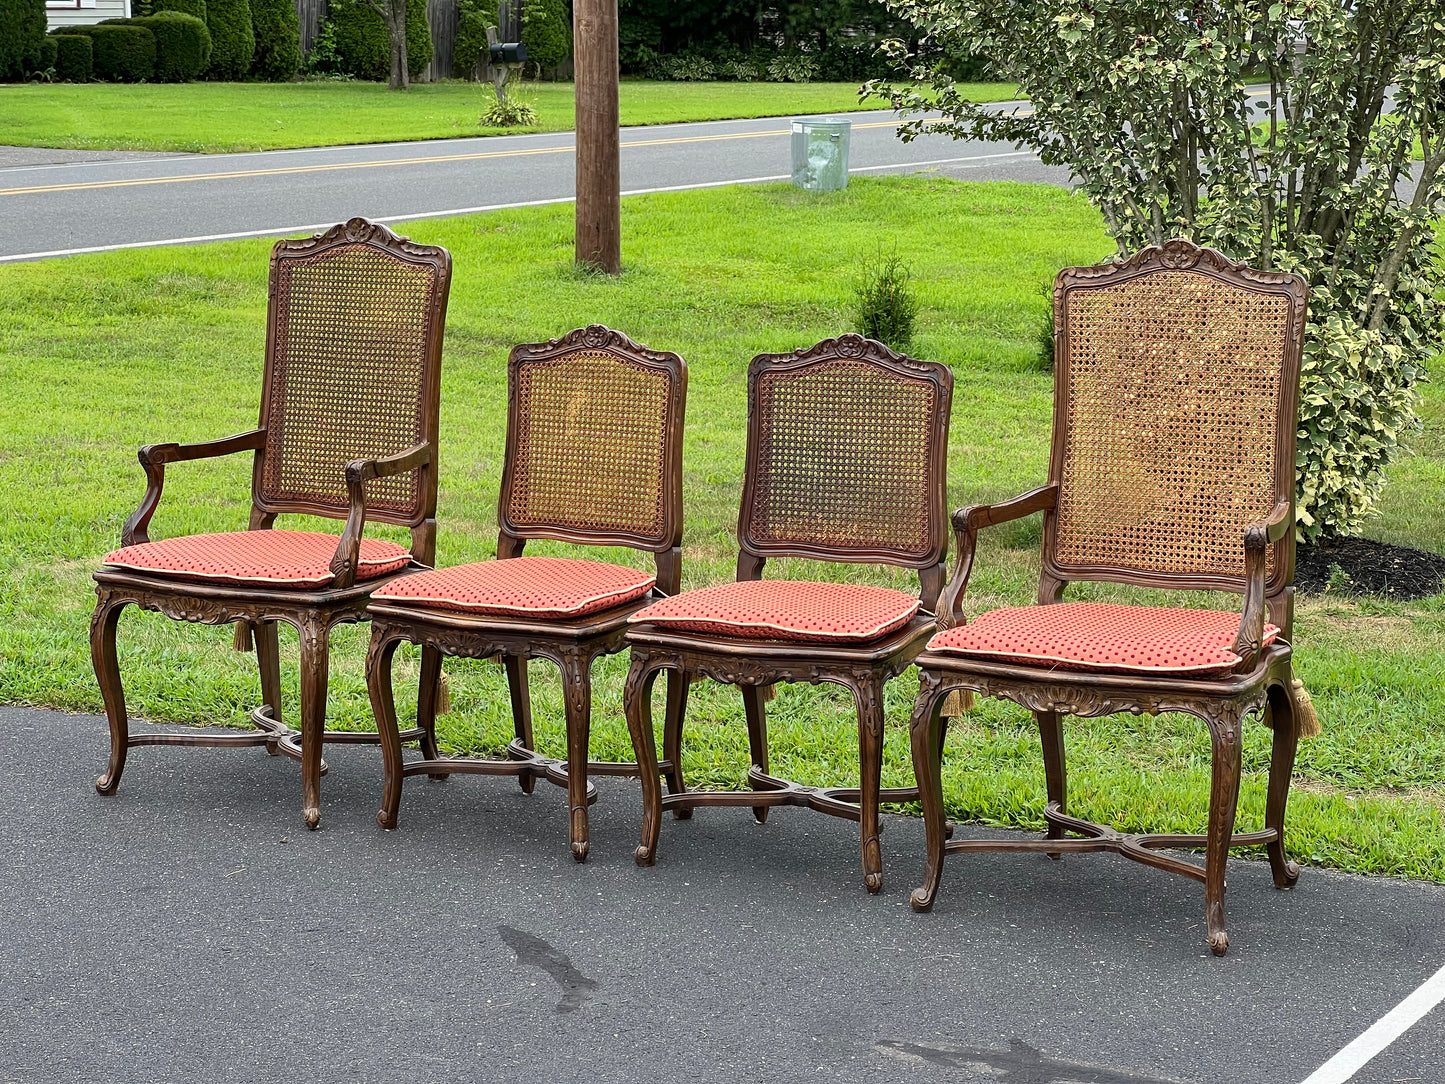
(278, 40)
(469, 48)
(186, 7)
(22, 29)
(122, 53)
(47, 55)
(233, 40)
(547, 33)
(363, 45)
(183, 45)
(74, 59)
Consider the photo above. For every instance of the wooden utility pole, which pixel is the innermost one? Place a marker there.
(599, 182)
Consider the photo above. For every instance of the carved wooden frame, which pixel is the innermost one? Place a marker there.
(257, 609)
(755, 665)
(1260, 684)
(573, 644)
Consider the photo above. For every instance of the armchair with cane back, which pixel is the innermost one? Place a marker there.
(348, 430)
(593, 457)
(1172, 466)
(846, 450)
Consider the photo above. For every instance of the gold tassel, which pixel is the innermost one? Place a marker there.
(769, 693)
(1306, 721)
(444, 696)
(242, 640)
(957, 703)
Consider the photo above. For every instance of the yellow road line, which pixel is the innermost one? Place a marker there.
(282, 171)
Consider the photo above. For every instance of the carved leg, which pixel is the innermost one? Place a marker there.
(1280, 715)
(107, 674)
(757, 712)
(521, 694)
(637, 703)
(926, 731)
(427, 695)
(1051, 734)
(315, 668)
(868, 691)
(677, 682)
(577, 692)
(1223, 801)
(383, 708)
(268, 661)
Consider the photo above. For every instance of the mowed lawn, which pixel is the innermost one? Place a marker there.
(103, 353)
(217, 117)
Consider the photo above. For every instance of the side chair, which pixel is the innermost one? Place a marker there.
(846, 452)
(593, 457)
(1173, 466)
(348, 430)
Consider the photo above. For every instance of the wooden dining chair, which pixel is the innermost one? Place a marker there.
(1173, 466)
(846, 452)
(593, 457)
(348, 430)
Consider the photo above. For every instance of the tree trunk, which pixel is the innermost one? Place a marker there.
(599, 211)
(396, 26)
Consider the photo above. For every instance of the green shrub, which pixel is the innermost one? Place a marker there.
(22, 29)
(684, 68)
(73, 58)
(278, 40)
(183, 45)
(509, 113)
(886, 307)
(122, 53)
(186, 7)
(45, 65)
(793, 67)
(470, 48)
(547, 33)
(233, 41)
(363, 46)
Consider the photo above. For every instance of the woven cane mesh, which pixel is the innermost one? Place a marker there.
(348, 376)
(844, 458)
(591, 444)
(1171, 426)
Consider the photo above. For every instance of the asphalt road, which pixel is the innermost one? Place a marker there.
(59, 202)
(190, 929)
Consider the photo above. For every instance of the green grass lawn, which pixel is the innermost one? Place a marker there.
(216, 117)
(102, 353)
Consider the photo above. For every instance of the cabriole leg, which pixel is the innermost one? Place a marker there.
(427, 694)
(383, 708)
(677, 682)
(315, 668)
(577, 693)
(757, 712)
(1281, 716)
(926, 732)
(268, 662)
(1051, 735)
(521, 695)
(637, 703)
(107, 674)
(1223, 801)
(868, 691)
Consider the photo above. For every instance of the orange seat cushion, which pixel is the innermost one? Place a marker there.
(785, 610)
(522, 587)
(1102, 636)
(264, 558)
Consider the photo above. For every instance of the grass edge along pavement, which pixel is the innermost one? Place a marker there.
(109, 351)
(235, 117)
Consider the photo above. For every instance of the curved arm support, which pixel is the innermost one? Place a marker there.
(358, 473)
(967, 522)
(154, 457)
(1257, 539)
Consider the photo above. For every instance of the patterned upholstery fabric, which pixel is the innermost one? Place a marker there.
(522, 587)
(784, 610)
(1102, 636)
(266, 558)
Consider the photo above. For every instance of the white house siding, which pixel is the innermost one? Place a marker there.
(83, 12)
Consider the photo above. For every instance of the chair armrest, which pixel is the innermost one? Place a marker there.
(154, 457)
(1257, 539)
(967, 522)
(358, 473)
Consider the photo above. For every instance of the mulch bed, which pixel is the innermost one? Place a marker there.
(1358, 566)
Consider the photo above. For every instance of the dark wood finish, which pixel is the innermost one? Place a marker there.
(599, 186)
(346, 260)
(544, 382)
(913, 495)
(1259, 684)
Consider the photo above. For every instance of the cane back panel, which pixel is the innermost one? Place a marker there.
(846, 451)
(353, 369)
(1174, 416)
(594, 441)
